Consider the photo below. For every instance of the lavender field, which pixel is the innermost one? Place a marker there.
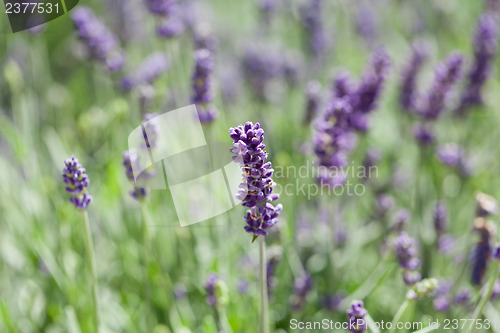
(175, 166)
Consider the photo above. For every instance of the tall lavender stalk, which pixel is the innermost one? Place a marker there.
(76, 179)
(408, 92)
(256, 194)
(485, 49)
(202, 85)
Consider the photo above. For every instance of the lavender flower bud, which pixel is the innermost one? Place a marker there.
(463, 298)
(384, 204)
(482, 252)
(267, 9)
(302, 286)
(147, 72)
(411, 277)
(485, 205)
(356, 314)
(313, 100)
(424, 134)
(257, 195)
(440, 217)
(446, 74)
(366, 24)
(203, 37)
(210, 288)
(485, 49)
(77, 181)
(408, 92)
(401, 219)
(333, 302)
(450, 154)
(441, 304)
(130, 162)
(312, 21)
(202, 85)
(406, 252)
(101, 44)
(422, 289)
(343, 85)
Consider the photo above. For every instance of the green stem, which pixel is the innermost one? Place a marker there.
(489, 290)
(89, 247)
(399, 314)
(264, 306)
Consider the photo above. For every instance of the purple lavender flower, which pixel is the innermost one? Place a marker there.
(406, 252)
(147, 72)
(424, 134)
(130, 162)
(77, 181)
(356, 314)
(162, 7)
(401, 219)
(441, 303)
(210, 288)
(302, 286)
(203, 37)
(202, 85)
(384, 204)
(333, 140)
(366, 24)
(333, 302)
(496, 252)
(482, 252)
(313, 100)
(411, 277)
(169, 12)
(446, 74)
(267, 9)
(485, 49)
(257, 192)
(101, 44)
(408, 92)
(312, 21)
(440, 217)
(450, 154)
(463, 298)
(170, 27)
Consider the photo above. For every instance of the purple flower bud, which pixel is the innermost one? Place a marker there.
(482, 253)
(130, 162)
(313, 93)
(101, 44)
(366, 24)
(333, 302)
(406, 252)
(463, 297)
(147, 72)
(441, 303)
(384, 204)
(250, 154)
(424, 134)
(485, 49)
(77, 181)
(408, 92)
(202, 85)
(401, 219)
(496, 252)
(210, 286)
(446, 75)
(450, 154)
(302, 286)
(440, 217)
(312, 21)
(356, 314)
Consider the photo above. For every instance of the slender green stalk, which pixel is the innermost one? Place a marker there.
(487, 295)
(399, 314)
(89, 247)
(264, 306)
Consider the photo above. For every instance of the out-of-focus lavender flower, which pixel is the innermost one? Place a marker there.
(261, 63)
(210, 289)
(450, 154)
(302, 286)
(496, 291)
(494, 5)
(408, 92)
(273, 259)
(482, 253)
(343, 85)
(446, 75)
(148, 71)
(440, 218)
(463, 298)
(312, 21)
(441, 303)
(496, 252)
(170, 27)
(333, 140)
(366, 24)
(422, 289)
(162, 7)
(256, 192)
(333, 302)
(356, 314)
(76, 179)
(267, 9)
(203, 37)
(406, 251)
(314, 92)
(202, 85)
(486, 205)
(400, 220)
(130, 162)
(169, 12)
(442, 296)
(101, 44)
(485, 49)
(384, 204)
(424, 134)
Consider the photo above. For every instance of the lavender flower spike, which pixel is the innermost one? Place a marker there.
(258, 184)
(485, 50)
(440, 217)
(202, 85)
(446, 74)
(406, 252)
(356, 315)
(130, 159)
(150, 68)
(483, 250)
(101, 44)
(77, 181)
(409, 77)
